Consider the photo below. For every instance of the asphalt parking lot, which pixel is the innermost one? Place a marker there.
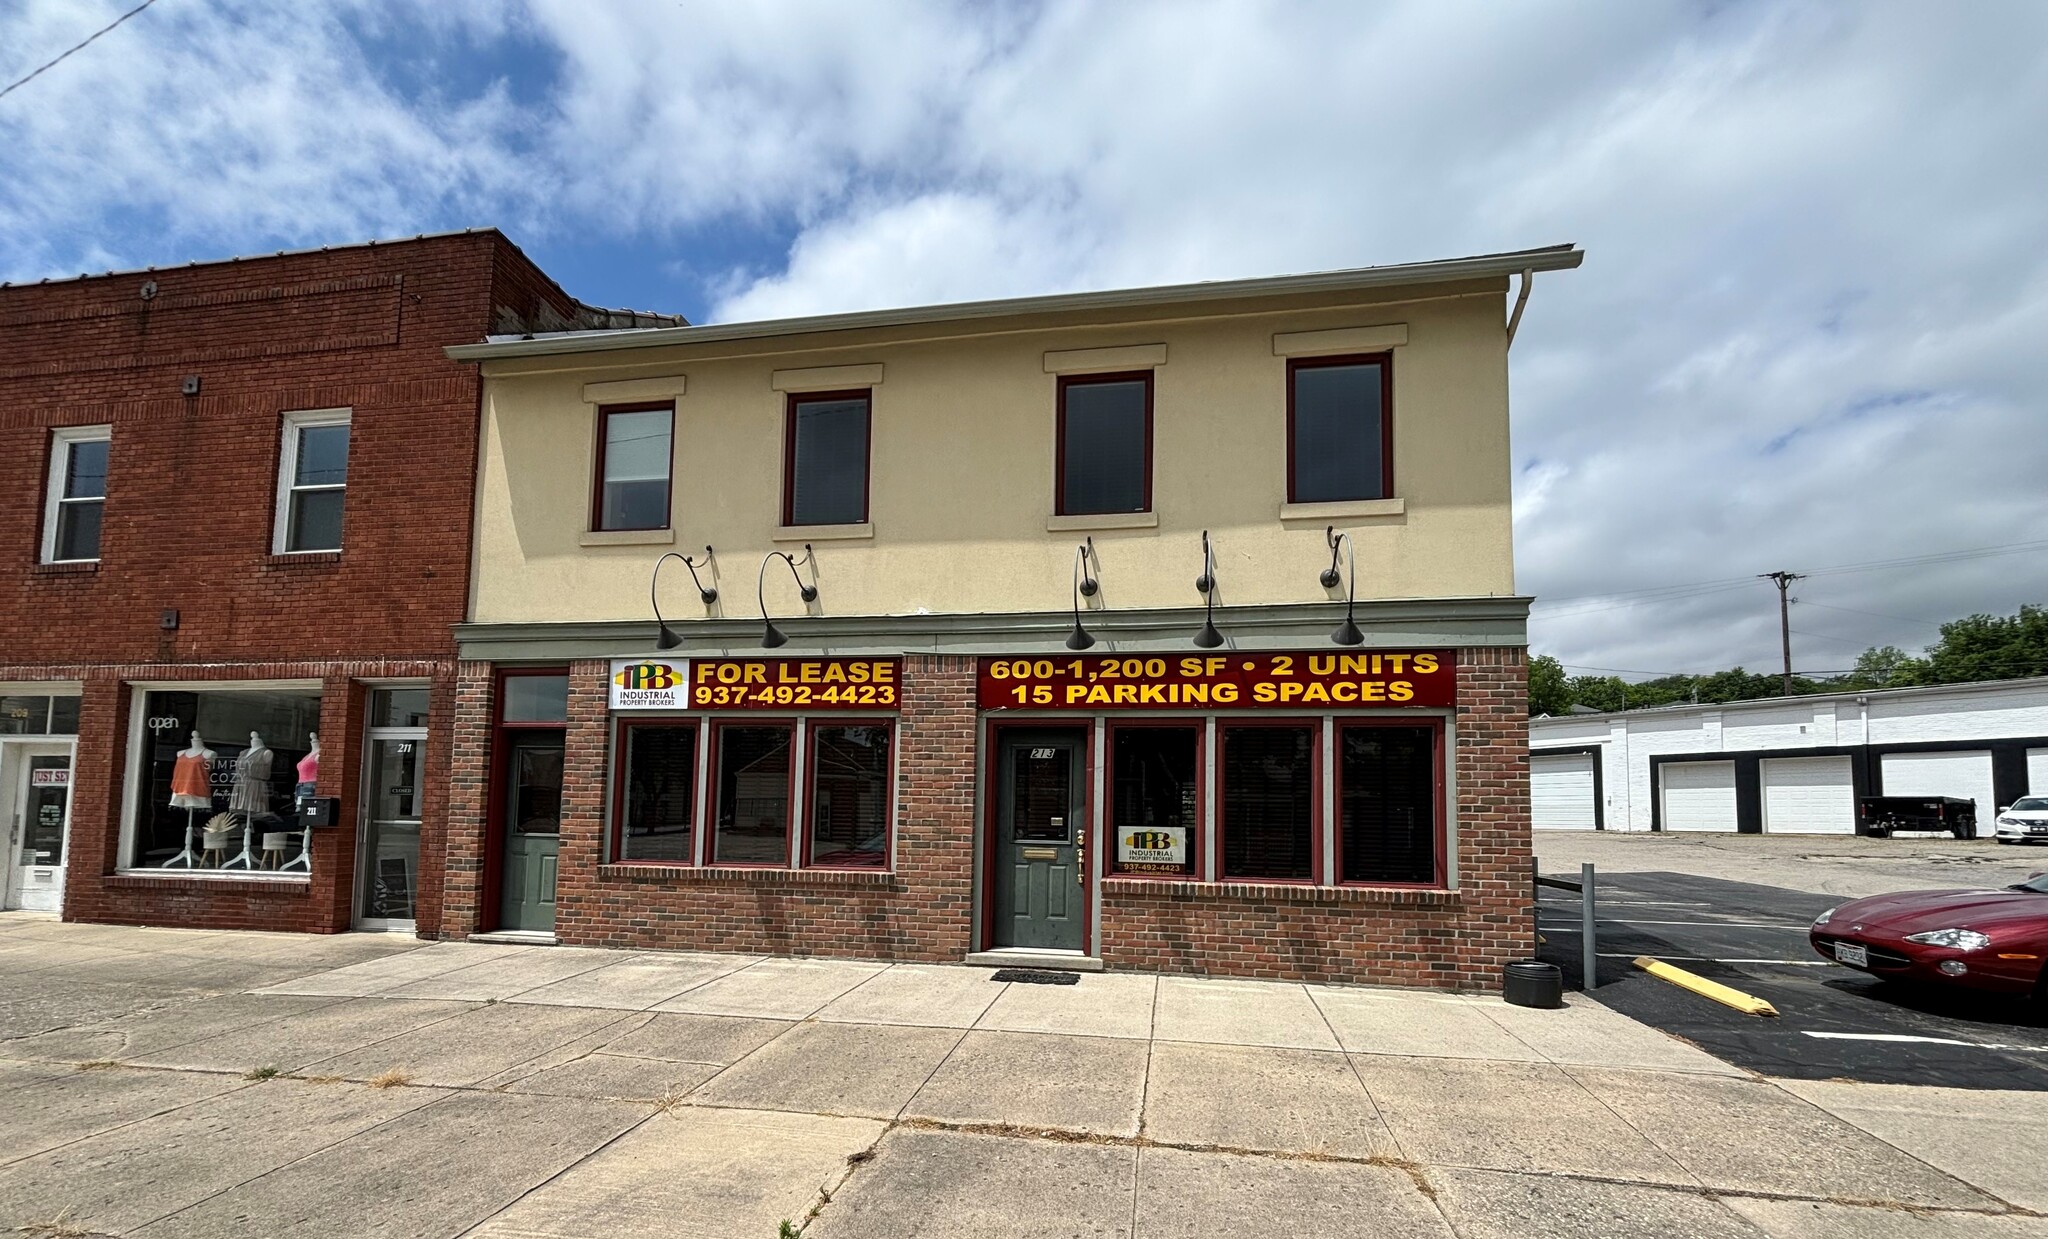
(1834, 1022)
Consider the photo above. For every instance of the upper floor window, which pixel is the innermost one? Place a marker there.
(1340, 437)
(312, 477)
(633, 462)
(826, 459)
(1105, 444)
(77, 494)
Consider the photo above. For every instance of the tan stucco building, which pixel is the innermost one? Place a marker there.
(981, 724)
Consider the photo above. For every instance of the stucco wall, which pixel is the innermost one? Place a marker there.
(963, 468)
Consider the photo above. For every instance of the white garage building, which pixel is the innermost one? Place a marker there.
(1789, 765)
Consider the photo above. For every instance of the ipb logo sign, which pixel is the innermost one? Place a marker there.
(650, 684)
(1159, 845)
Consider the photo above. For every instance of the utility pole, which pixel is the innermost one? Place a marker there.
(1783, 580)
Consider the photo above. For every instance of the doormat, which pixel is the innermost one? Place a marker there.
(1036, 976)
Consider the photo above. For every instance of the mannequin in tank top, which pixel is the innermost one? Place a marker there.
(309, 773)
(191, 790)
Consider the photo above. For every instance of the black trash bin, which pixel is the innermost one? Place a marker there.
(1533, 983)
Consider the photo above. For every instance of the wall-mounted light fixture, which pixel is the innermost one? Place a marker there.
(1347, 633)
(1085, 586)
(771, 636)
(1208, 638)
(665, 638)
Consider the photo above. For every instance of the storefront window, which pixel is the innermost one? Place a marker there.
(657, 810)
(1387, 796)
(849, 795)
(1268, 792)
(1156, 774)
(220, 772)
(753, 796)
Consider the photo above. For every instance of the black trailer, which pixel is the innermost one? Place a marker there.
(1879, 816)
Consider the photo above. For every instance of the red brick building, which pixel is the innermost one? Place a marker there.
(1167, 629)
(236, 516)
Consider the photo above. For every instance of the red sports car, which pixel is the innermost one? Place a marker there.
(1992, 940)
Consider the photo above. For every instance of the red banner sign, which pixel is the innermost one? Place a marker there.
(1316, 681)
(808, 684)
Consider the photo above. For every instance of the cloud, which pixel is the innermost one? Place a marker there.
(1806, 336)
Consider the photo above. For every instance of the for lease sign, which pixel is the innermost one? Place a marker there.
(1226, 681)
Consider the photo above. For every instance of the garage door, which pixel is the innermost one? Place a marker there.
(1966, 776)
(1561, 791)
(2037, 772)
(1699, 795)
(1809, 796)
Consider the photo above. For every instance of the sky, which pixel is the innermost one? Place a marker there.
(1810, 334)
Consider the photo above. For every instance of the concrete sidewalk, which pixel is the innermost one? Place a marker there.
(174, 1083)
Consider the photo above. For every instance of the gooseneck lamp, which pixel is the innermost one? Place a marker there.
(665, 637)
(1347, 633)
(1085, 586)
(771, 636)
(1208, 638)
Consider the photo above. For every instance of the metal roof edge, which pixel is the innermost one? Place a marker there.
(1750, 703)
(1549, 258)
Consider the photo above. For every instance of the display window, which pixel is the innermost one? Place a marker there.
(812, 792)
(1266, 777)
(751, 812)
(222, 776)
(849, 795)
(1389, 801)
(654, 814)
(1155, 799)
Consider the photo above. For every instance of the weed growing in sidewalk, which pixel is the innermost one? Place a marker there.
(397, 1077)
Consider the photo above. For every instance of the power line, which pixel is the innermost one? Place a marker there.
(77, 47)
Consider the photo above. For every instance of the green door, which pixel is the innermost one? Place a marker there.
(533, 825)
(1041, 871)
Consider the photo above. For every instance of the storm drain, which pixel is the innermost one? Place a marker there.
(1036, 976)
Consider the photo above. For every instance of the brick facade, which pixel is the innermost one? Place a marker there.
(922, 909)
(1446, 939)
(189, 513)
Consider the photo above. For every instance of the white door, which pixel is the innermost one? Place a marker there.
(2037, 772)
(1561, 791)
(1809, 796)
(1965, 776)
(1699, 795)
(35, 799)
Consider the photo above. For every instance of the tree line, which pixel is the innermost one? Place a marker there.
(1970, 650)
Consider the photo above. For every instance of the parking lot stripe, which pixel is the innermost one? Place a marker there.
(1975, 1045)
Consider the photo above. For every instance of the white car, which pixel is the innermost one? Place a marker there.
(2025, 819)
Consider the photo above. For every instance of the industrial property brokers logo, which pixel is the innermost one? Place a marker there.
(639, 684)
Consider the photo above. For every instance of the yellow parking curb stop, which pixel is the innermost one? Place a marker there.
(1748, 1004)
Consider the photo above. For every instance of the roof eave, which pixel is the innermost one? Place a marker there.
(1551, 258)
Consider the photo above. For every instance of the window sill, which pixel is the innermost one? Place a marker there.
(1343, 509)
(66, 567)
(824, 533)
(654, 871)
(1102, 520)
(629, 537)
(301, 559)
(140, 879)
(1283, 892)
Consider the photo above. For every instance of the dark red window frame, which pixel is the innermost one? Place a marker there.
(718, 728)
(810, 776)
(604, 417)
(1316, 825)
(1437, 789)
(620, 771)
(1385, 361)
(1195, 833)
(1059, 477)
(866, 396)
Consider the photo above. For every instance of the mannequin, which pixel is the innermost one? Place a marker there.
(251, 796)
(309, 782)
(191, 790)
